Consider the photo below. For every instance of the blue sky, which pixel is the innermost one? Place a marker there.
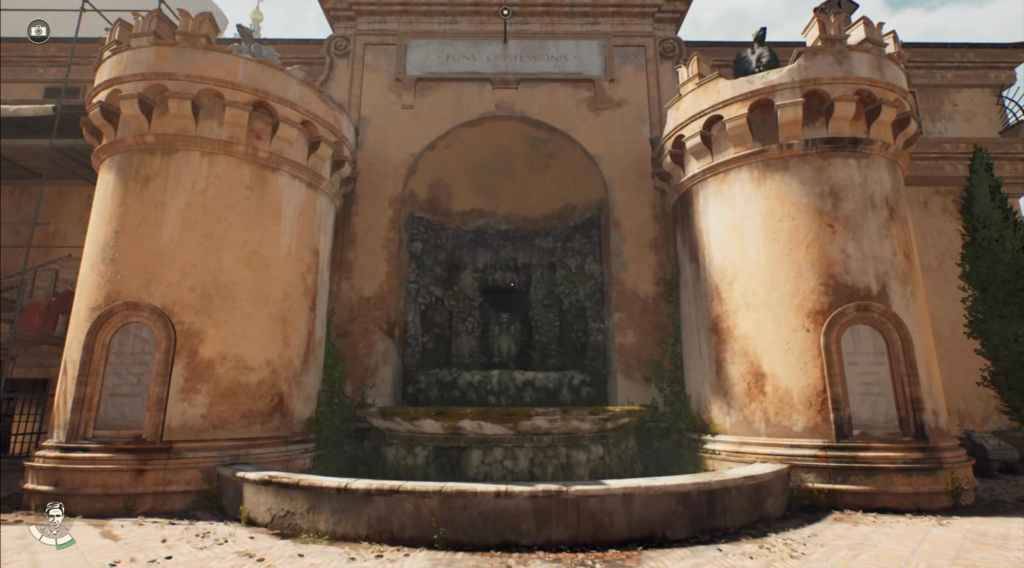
(915, 20)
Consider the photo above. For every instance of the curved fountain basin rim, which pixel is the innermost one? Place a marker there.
(503, 411)
(741, 475)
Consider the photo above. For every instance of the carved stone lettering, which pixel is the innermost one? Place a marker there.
(126, 379)
(869, 382)
(463, 57)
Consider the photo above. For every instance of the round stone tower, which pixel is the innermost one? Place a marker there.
(197, 333)
(806, 335)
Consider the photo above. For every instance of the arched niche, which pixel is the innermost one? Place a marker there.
(504, 264)
(871, 375)
(125, 374)
(511, 169)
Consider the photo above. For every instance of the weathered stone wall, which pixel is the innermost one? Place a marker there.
(529, 151)
(767, 253)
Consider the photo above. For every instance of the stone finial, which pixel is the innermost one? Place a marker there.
(757, 58)
(829, 23)
(695, 69)
(120, 32)
(866, 34)
(119, 36)
(200, 30)
(154, 24)
(894, 48)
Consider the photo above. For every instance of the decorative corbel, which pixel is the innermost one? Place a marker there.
(286, 141)
(673, 49)
(791, 119)
(105, 118)
(881, 128)
(133, 121)
(841, 124)
(738, 130)
(336, 47)
(174, 115)
(696, 150)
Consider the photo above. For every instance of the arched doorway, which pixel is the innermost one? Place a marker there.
(505, 271)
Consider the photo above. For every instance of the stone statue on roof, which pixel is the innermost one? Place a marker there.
(252, 48)
(756, 58)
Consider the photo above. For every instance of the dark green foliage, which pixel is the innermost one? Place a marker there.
(992, 275)
(340, 440)
(665, 434)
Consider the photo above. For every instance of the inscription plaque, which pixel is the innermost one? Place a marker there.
(869, 382)
(583, 58)
(126, 379)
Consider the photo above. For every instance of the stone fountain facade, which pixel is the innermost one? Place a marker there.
(500, 267)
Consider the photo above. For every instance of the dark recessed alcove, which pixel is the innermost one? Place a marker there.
(526, 302)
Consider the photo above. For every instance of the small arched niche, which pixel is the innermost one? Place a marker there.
(764, 122)
(818, 108)
(125, 374)
(871, 375)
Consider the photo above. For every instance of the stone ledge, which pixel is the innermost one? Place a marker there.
(473, 515)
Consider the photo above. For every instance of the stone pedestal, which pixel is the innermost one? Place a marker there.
(807, 338)
(197, 333)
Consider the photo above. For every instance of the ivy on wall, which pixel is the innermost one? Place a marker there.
(992, 275)
(665, 433)
(341, 448)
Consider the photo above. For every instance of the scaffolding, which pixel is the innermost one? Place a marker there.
(26, 275)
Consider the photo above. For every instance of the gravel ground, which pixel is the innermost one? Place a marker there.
(990, 533)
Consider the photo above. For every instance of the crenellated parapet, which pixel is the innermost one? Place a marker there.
(847, 91)
(161, 84)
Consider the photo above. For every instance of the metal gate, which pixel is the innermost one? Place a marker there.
(22, 416)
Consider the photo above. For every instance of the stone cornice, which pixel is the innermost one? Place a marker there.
(454, 15)
(945, 162)
(344, 136)
(247, 152)
(788, 150)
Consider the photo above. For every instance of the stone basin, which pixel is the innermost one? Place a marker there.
(508, 421)
(493, 444)
(476, 515)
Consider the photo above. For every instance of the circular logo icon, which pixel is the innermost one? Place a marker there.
(38, 31)
(505, 12)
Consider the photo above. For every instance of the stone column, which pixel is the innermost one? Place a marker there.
(197, 333)
(807, 337)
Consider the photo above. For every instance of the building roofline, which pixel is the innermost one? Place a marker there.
(691, 43)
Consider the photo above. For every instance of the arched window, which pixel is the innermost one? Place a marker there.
(124, 375)
(871, 375)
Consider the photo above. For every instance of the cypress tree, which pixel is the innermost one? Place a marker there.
(992, 279)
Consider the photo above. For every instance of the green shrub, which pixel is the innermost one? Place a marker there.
(992, 275)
